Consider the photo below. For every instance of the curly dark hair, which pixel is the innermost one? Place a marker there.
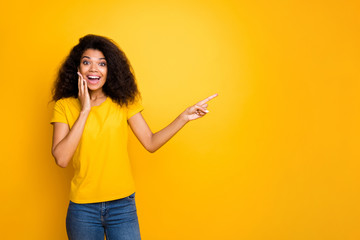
(120, 83)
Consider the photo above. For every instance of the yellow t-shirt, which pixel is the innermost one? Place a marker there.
(102, 170)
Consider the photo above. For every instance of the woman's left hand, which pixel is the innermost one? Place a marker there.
(198, 110)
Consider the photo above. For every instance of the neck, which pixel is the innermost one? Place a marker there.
(97, 94)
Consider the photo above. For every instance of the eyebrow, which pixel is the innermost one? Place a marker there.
(90, 58)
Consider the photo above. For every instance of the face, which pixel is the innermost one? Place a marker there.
(93, 68)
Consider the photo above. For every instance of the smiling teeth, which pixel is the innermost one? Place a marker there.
(92, 77)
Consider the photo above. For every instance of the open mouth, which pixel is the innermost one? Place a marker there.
(93, 79)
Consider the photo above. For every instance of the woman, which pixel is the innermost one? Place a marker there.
(96, 97)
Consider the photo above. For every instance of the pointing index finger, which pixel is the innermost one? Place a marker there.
(207, 99)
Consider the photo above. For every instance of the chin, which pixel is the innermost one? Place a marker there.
(93, 88)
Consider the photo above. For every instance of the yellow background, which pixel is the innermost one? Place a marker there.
(277, 157)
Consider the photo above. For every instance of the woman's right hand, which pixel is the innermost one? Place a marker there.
(83, 94)
(66, 139)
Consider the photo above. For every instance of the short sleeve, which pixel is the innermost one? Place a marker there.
(134, 108)
(59, 113)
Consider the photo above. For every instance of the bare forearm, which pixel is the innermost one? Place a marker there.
(66, 148)
(161, 137)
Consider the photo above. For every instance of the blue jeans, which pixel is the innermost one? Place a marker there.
(91, 221)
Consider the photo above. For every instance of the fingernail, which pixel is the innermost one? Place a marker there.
(207, 111)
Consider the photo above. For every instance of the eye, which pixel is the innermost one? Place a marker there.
(103, 64)
(85, 62)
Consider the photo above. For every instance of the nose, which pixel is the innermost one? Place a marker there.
(93, 68)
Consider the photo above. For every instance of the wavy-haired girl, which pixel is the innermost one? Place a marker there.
(96, 98)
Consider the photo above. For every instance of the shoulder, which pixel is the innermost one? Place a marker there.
(68, 100)
(66, 103)
(134, 107)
